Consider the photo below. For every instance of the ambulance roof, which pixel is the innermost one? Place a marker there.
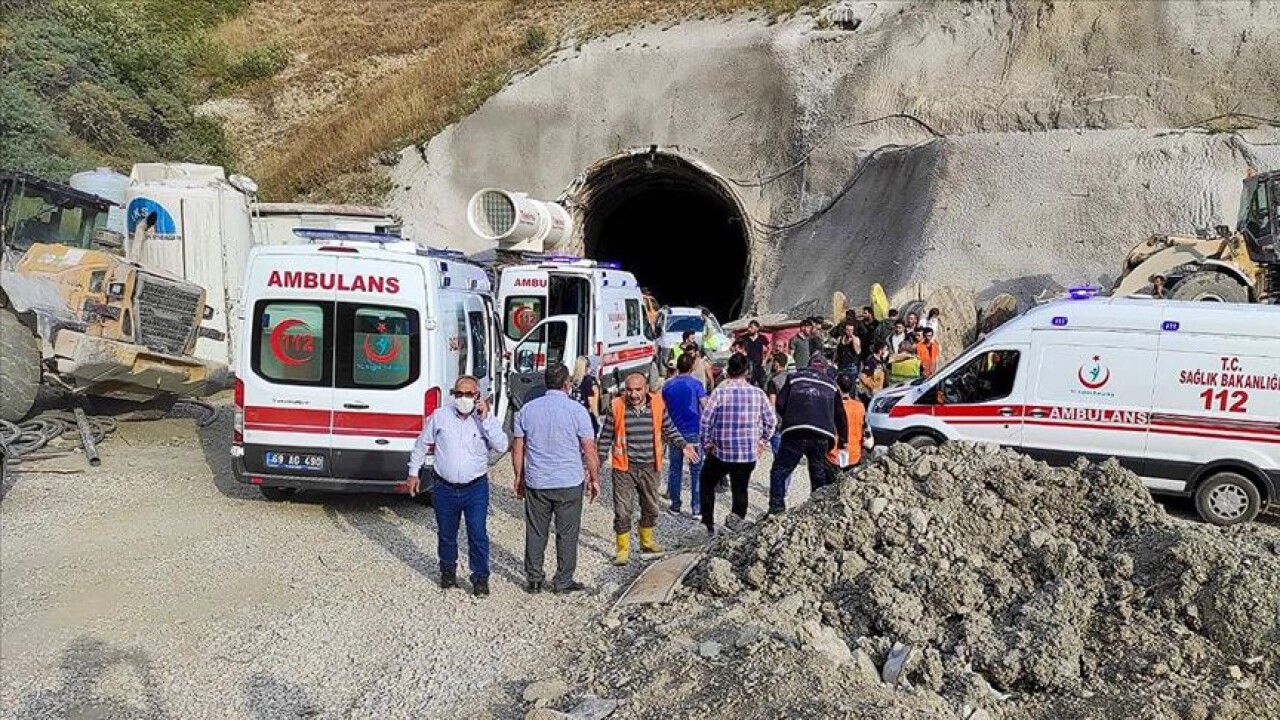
(448, 263)
(609, 275)
(1147, 315)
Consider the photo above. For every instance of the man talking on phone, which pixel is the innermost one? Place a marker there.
(459, 438)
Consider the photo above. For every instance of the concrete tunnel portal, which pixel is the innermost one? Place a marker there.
(674, 224)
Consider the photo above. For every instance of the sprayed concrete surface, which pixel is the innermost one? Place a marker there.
(1038, 150)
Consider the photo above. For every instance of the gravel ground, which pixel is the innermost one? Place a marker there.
(154, 586)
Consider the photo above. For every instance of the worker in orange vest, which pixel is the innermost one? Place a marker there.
(631, 438)
(848, 453)
(928, 351)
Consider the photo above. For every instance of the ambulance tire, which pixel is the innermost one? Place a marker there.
(1210, 286)
(920, 442)
(277, 494)
(1228, 498)
(19, 368)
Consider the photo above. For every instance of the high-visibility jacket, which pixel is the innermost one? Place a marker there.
(657, 409)
(851, 454)
(928, 354)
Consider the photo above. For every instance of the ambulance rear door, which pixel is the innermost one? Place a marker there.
(287, 379)
(381, 391)
(551, 341)
(522, 293)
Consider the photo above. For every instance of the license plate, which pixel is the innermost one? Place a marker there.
(295, 461)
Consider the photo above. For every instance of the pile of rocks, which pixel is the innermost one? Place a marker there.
(966, 582)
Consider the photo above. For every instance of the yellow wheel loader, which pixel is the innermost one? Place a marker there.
(76, 315)
(1241, 266)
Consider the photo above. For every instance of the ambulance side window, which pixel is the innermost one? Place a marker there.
(986, 378)
(522, 313)
(634, 327)
(292, 345)
(377, 346)
(479, 353)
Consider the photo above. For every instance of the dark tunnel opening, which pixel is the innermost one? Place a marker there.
(674, 226)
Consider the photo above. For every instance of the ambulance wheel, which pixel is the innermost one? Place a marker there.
(1227, 498)
(1210, 286)
(277, 494)
(920, 442)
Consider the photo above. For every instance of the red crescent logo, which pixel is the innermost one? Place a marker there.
(373, 355)
(524, 318)
(1106, 377)
(278, 342)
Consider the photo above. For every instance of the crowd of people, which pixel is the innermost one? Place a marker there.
(802, 401)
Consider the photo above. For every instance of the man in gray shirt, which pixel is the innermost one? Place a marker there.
(554, 444)
(458, 439)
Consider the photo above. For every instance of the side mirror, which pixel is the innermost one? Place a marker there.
(524, 361)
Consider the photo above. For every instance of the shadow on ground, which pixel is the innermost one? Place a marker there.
(131, 693)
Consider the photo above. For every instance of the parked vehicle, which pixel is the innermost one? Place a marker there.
(674, 322)
(562, 308)
(349, 345)
(1186, 394)
(76, 315)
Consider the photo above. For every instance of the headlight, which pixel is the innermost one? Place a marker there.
(882, 405)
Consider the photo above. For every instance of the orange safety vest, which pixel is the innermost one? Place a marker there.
(657, 409)
(928, 355)
(856, 416)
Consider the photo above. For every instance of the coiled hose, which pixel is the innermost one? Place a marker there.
(23, 439)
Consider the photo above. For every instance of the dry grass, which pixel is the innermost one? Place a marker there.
(394, 72)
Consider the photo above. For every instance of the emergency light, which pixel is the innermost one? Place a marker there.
(1083, 292)
(320, 234)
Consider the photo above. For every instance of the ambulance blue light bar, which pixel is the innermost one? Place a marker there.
(1083, 292)
(324, 234)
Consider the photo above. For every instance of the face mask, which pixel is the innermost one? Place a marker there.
(464, 405)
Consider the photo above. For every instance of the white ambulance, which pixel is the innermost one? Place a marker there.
(562, 308)
(350, 343)
(1187, 395)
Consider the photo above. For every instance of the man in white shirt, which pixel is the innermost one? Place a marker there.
(458, 438)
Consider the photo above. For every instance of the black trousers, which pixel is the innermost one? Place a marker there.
(798, 445)
(713, 471)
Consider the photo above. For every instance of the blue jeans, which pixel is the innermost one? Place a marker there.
(675, 466)
(798, 445)
(452, 504)
(775, 441)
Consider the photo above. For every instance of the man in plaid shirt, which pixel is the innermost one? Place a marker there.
(736, 425)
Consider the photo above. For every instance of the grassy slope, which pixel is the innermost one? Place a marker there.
(368, 77)
(92, 82)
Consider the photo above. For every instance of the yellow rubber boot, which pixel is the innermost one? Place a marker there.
(647, 543)
(624, 549)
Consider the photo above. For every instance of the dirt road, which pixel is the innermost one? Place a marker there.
(156, 587)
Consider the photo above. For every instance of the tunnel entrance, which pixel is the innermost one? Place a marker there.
(675, 225)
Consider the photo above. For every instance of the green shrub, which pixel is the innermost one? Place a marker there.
(86, 82)
(259, 63)
(535, 40)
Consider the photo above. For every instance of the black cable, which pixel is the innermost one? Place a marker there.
(761, 182)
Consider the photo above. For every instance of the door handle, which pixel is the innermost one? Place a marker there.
(1006, 412)
(1038, 413)
(355, 406)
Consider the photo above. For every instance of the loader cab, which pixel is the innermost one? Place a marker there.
(1259, 207)
(34, 210)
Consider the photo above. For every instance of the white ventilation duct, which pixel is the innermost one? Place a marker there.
(517, 222)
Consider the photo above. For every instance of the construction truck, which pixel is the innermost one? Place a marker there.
(1223, 266)
(77, 315)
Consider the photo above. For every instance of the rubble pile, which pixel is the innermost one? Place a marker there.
(970, 582)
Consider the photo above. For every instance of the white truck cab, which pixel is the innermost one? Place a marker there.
(1185, 394)
(561, 308)
(349, 344)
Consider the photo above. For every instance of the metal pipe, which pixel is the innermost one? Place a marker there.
(86, 438)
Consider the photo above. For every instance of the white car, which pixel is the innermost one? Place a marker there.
(673, 322)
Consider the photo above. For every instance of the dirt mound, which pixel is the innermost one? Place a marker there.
(968, 582)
